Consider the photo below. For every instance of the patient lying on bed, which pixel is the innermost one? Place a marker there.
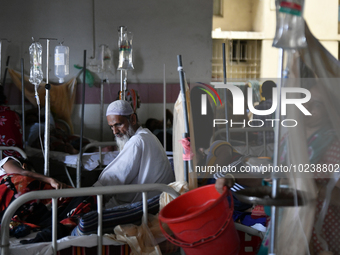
(141, 159)
(16, 180)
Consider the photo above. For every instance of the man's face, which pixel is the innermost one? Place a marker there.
(121, 128)
(118, 124)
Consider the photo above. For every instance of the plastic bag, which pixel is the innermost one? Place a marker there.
(139, 238)
(181, 187)
(290, 27)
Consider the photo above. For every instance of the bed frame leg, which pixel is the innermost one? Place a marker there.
(100, 227)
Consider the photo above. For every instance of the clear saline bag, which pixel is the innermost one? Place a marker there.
(36, 73)
(125, 49)
(290, 25)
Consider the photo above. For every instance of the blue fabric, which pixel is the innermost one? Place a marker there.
(249, 221)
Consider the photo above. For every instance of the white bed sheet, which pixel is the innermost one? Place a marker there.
(45, 248)
(90, 160)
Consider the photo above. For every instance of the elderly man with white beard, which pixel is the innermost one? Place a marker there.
(141, 159)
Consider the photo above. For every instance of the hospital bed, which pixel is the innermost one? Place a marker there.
(91, 240)
(10, 246)
(246, 147)
(89, 161)
(55, 245)
(17, 149)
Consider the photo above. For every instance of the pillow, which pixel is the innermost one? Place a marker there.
(123, 214)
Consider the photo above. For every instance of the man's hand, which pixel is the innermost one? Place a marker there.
(221, 182)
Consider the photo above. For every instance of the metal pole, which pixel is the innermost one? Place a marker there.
(276, 181)
(225, 90)
(4, 79)
(0, 59)
(2, 39)
(100, 225)
(125, 84)
(121, 85)
(164, 109)
(101, 109)
(101, 120)
(23, 104)
(54, 225)
(186, 134)
(79, 165)
(121, 96)
(47, 111)
(145, 207)
(93, 31)
(47, 115)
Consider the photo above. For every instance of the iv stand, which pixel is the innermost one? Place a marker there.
(47, 111)
(122, 92)
(275, 180)
(225, 90)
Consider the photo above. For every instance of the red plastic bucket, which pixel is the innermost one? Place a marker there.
(201, 221)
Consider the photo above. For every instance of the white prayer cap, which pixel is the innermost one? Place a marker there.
(119, 107)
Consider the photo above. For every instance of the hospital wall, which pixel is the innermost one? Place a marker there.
(162, 30)
(257, 20)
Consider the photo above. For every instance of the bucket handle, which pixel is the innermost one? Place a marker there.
(207, 239)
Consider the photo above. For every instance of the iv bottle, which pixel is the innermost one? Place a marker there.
(36, 73)
(61, 62)
(290, 25)
(107, 64)
(125, 49)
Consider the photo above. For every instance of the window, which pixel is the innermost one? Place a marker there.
(239, 49)
(218, 8)
(243, 59)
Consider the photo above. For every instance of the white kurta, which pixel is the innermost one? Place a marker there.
(142, 160)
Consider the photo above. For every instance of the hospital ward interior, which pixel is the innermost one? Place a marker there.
(183, 127)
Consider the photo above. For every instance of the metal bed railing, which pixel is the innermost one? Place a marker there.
(246, 130)
(55, 194)
(5, 148)
(79, 161)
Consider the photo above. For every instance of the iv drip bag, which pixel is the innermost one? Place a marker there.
(103, 63)
(105, 55)
(61, 62)
(125, 49)
(36, 73)
(290, 25)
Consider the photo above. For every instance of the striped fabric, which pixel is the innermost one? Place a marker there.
(236, 187)
(107, 250)
(124, 214)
